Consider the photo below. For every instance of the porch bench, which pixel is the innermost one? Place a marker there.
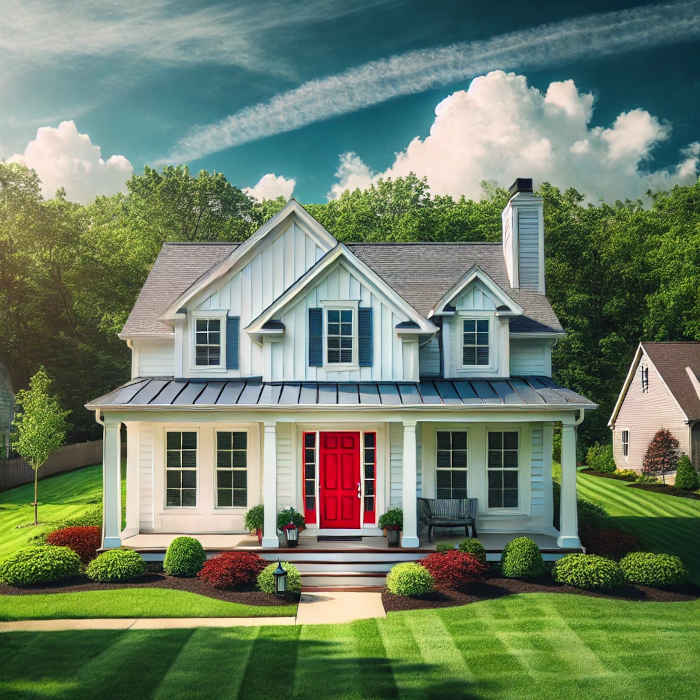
(448, 512)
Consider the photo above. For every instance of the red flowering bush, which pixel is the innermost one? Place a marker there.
(84, 541)
(609, 542)
(232, 569)
(453, 569)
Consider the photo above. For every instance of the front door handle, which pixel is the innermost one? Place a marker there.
(359, 491)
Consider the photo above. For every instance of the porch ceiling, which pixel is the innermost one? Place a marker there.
(516, 392)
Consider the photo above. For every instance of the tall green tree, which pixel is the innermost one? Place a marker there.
(40, 427)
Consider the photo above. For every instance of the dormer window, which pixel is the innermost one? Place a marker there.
(475, 342)
(340, 336)
(207, 349)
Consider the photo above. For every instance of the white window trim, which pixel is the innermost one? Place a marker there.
(457, 343)
(514, 510)
(466, 469)
(180, 429)
(209, 315)
(462, 319)
(215, 470)
(343, 305)
(622, 443)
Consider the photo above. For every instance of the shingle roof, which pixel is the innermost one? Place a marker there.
(419, 272)
(176, 268)
(479, 393)
(671, 359)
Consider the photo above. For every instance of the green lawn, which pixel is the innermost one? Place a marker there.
(663, 523)
(60, 497)
(528, 646)
(130, 602)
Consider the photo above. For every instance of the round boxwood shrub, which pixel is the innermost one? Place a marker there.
(116, 565)
(39, 564)
(521, 558)
(185, 557)
(686, 476)
(410, 579)
(454, 569)
(84, 541)
(588, 571)
(232, 569)
(649, 569)
(266, 579)
(472, 546)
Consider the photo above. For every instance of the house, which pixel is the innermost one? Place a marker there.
(662, 390)
(7, 404)
(341, 379)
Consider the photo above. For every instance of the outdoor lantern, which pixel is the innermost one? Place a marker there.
(280, 579)
(292, 534)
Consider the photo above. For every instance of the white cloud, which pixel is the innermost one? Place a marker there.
(63, 157)
(416, 71)
(501, 128)
(271, 186)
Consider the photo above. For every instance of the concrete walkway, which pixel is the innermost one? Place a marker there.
(322, 608)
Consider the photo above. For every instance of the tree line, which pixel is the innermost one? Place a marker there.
(69, 273)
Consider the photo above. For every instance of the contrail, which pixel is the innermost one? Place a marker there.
(592, 36)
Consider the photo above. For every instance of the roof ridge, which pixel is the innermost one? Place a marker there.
(670, 342)
(201, 243)
(424, 243)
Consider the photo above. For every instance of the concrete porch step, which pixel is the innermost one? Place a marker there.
(334, 566)
(342, 579)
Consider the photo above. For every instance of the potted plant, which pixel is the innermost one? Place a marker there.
(290, 535)
(392, 524)
(290, 515)
(255, 520)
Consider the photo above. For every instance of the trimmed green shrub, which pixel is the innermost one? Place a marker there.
(116, 565)
(39, 564)
(472, 546)
(588, 571)
(521, 558)
(649, 569)
(442, 547)
(185, 557)
(266, 579)
(409, 579)
(626, 474)
(392, 519)
(686, 476)
(600, 458)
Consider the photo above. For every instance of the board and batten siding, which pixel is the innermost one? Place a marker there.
(289, 355)
(529, 246)
(530, 357)
(429, 357)
(153, 358)
(643, 413)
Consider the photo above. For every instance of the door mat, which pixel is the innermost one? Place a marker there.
(339, 538)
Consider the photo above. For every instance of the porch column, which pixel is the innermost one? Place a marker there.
(410, 520)
(568, 516)
(270, 485)
(111, 485)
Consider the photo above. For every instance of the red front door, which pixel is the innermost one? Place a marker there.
(340, 480)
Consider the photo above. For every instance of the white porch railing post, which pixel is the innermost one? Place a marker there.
(111, 485)
(270, 538)
(568, 515)
(410, 519)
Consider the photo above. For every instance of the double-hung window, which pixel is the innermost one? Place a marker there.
(231, 469)
(340, 336)
(181, 469)
(503, 469)
(625, 442)
(475, 342)
(207, 342)
(451, 467)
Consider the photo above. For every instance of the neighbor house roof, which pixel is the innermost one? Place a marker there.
(672, 361)
(421, 273)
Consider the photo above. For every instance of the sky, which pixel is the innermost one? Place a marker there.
(308, 99)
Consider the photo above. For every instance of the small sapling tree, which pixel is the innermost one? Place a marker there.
(662, 454)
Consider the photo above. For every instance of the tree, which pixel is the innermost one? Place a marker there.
(40, 426)
(686, 476)
(662, 454)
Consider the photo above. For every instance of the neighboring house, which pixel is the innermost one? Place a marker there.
(662, 390)
(342, 379)
(7, 404)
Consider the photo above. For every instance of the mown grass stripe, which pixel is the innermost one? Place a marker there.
(375, 673)
(270, 668)
(404, 655)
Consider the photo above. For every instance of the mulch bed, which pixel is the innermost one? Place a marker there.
(156, 580)
(669, 490)
(499, 587)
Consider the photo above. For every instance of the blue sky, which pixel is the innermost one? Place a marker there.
(322, 95)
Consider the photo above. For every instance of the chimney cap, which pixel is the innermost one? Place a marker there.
(521, 184)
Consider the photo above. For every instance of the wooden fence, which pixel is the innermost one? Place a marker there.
(14, 472)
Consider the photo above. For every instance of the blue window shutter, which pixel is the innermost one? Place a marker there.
(232, 339)
(364, 336)
(315, 337)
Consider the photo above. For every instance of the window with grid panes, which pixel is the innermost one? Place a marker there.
(370, 475)
(475, 341)
(625, 442)
(451, 466)
(310, 476)
(181, 469)
(339, 336)
(231, 469)
(503, 469)
(207, 348)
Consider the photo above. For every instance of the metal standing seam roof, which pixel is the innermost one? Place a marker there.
(515, 392)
